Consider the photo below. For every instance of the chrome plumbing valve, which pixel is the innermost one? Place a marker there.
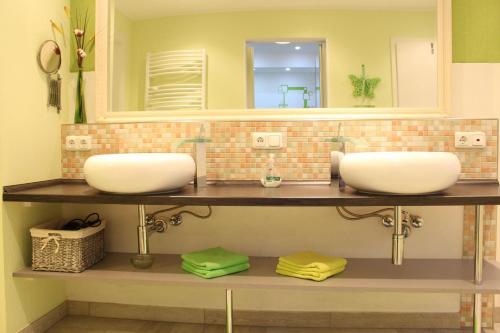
(160, 224)
(388, 221)
(409, 222)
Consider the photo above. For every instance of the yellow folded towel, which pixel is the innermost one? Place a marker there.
(316, 276)
(295, 268)
(312, 262)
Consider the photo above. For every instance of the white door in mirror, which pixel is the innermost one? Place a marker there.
(402, 173)
(139, 173)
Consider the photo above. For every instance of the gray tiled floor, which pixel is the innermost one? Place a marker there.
(81, 324)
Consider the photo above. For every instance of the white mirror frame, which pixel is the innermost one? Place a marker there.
(105, 115)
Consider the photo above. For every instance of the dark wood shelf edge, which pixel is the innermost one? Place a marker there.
(251, 194)
(38, 184)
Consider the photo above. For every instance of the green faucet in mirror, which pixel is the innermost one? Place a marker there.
(200, 149)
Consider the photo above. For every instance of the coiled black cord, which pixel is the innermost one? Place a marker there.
(92, 220)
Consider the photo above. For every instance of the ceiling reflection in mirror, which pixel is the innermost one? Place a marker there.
(237, 54)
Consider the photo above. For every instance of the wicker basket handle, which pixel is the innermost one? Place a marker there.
(52, 237)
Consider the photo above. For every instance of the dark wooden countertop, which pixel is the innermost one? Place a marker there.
(252, 194)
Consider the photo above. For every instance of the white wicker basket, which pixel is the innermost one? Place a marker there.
(66, 250)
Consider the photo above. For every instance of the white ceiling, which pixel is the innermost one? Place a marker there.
(272, 47)
(138, 10)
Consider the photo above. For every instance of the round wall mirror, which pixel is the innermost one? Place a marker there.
(49, 60)
(49, 57)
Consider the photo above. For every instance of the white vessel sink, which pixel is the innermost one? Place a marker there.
(139, 173)
(403, 173)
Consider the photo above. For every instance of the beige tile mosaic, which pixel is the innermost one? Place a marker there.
(306, 155)
(489, 231)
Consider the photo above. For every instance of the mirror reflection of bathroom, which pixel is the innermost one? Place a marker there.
(373, 50)
(285, 74)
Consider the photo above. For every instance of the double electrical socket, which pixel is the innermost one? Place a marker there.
(470, 139)
(267, 140)
(78, 142)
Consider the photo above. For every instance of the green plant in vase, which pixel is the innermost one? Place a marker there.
(83, 47)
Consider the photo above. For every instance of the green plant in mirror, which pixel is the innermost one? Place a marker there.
(364, 87)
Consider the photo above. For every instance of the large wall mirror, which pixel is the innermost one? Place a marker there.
(192, 56)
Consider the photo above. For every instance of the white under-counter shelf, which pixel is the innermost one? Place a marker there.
(415, 275)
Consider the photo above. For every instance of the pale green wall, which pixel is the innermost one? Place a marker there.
(353, 38)
(122, 61)
(3, 326)
(29, 151)
(476, 31)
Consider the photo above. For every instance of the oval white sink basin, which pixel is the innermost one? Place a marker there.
(400, 172)
(139, 173)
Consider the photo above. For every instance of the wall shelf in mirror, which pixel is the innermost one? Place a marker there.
(226, 85)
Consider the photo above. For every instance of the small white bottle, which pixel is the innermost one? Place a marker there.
(271, 176)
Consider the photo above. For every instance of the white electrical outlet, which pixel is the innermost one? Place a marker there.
(78, 143)
(259, 140)
(71, 143)
(84, 143)
(470, 139)
(267, 140)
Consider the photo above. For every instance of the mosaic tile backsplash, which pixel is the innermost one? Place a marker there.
(306, 156)
(230, 156)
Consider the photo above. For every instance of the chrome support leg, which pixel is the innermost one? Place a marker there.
(143, 259)
(478, 266)
(229, 311)
(142, 232)
(398, 237)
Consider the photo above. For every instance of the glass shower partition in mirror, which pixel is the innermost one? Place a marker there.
(237, 54)
(285, 74)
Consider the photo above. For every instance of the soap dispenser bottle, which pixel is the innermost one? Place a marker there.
(270, 177)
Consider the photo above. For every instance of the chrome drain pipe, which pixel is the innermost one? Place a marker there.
(398, 237)
(143, 259)
(150, 223)
(142, 231)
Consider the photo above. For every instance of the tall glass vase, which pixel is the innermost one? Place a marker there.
(80, 114)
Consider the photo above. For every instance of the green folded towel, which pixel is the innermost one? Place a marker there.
(214, 258)
(312, 261)
(210, 274)
(316, 276)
